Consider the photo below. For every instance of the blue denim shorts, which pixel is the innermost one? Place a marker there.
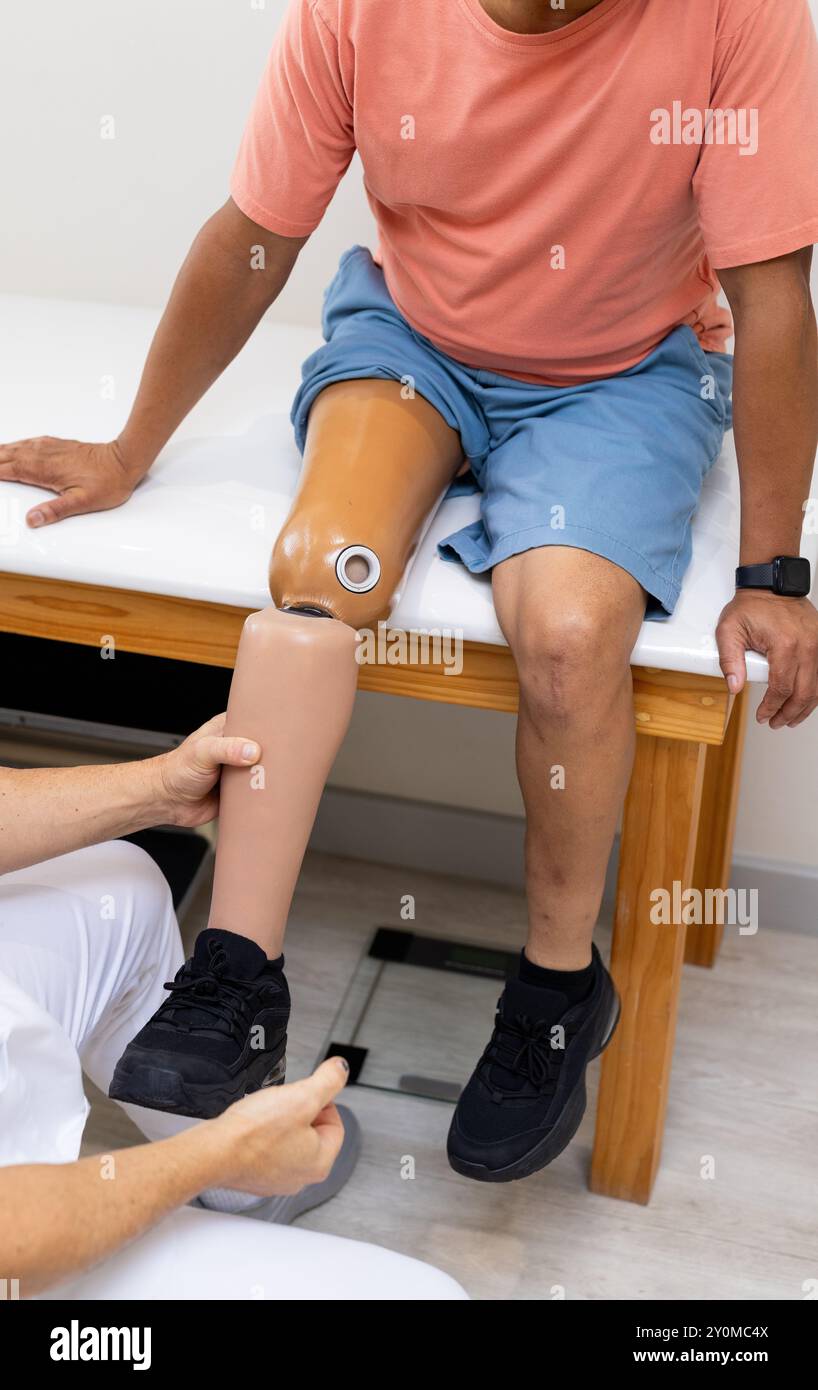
(614, 466)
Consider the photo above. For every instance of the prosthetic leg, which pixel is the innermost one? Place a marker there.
(375, 466)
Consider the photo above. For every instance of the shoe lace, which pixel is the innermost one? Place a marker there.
(211, 991)
(525, 1046)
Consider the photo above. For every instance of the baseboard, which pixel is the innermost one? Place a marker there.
(482, 845)
(420, 835)
(787, 893)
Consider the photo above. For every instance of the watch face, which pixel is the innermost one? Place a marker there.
(791, 576)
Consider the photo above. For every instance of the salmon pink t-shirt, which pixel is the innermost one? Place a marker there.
(549, 206)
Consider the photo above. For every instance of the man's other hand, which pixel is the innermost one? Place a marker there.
(785, 630)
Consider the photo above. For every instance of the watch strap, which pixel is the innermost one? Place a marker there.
(755, 577)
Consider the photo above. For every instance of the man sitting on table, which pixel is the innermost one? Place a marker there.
(543, 304)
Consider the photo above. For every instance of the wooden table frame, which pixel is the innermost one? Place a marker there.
(677, 825)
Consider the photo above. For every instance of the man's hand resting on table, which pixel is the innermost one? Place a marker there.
(785, 630)
(57, 1220)
(220, 295)
(86, 477)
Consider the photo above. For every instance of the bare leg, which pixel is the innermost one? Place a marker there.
(571, 619)
(374, 467)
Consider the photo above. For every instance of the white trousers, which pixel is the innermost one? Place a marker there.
(89, 938)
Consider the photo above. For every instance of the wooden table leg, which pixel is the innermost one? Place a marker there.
(658, 847)
(714, 852)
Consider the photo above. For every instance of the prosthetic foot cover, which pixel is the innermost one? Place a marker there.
(293, 692)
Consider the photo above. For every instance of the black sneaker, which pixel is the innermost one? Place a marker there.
(526, 1097)
(221, 1033)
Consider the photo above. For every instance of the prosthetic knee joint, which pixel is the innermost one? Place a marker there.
(320, 567)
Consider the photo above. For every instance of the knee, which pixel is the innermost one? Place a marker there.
(310, 570)
(568, 662)
(128, 865)
(136, 894)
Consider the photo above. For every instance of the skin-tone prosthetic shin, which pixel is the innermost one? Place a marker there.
(375, 466)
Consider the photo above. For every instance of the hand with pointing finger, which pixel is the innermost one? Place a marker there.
(282, 1138)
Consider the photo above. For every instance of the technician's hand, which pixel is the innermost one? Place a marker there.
(188, 776)
(86, 477)
(278, 1140)
(785, 630)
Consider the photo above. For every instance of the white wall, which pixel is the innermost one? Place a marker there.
(111, 220)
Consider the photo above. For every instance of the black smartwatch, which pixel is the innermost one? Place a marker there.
(787, 575)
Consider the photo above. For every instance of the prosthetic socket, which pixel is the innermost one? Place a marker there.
(375, 466)
(367, 489)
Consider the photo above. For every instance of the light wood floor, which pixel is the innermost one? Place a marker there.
(743, 1092)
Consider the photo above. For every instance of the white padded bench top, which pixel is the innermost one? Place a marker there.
(202, 525)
